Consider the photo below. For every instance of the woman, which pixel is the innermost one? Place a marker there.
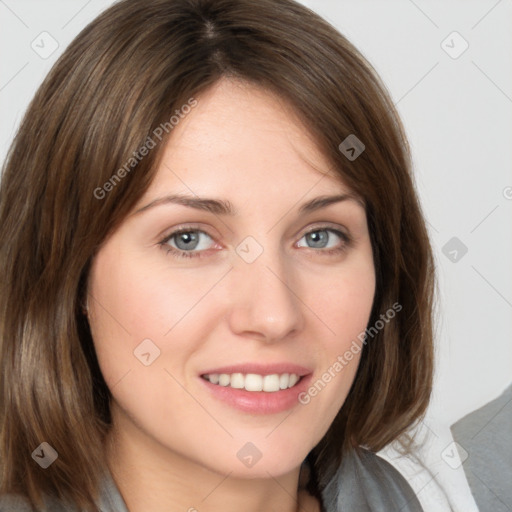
(217, 281)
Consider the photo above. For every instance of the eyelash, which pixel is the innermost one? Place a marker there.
(199, 254)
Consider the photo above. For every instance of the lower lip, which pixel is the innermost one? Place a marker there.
(259, 402)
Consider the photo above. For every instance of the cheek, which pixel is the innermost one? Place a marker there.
(344, 308)
(139, 297)
(347, 299)
(134, 300)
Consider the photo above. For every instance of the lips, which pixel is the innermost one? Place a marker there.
(257, 388)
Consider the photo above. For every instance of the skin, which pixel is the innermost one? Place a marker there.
(173, 446)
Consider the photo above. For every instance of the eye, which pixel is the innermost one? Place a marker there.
(187, 243)
(322, 236)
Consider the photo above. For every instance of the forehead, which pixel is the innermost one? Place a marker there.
(240, 140)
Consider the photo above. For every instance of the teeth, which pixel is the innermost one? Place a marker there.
(237, 380)
(254, 382)
(224, 379)
(271, 383)
(293, 380)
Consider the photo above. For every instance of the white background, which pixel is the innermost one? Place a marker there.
(457, 113)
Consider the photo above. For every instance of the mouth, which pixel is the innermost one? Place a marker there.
(257, 388)
(254, 382)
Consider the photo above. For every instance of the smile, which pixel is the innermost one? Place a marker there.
(253, 381)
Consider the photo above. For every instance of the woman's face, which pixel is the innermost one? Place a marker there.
(239, 296)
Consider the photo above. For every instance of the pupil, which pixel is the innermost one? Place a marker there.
(320, 236)
(187, 238)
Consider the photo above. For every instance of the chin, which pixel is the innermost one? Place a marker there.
(247, 460)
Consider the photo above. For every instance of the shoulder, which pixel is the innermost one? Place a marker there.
(366, 482)
(20, 503)
(110, 500)
(491, 451)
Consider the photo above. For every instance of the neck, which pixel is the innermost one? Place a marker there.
(151, 477)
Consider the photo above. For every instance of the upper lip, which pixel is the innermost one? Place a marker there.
(261, 369)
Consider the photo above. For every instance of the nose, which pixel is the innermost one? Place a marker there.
(266, 302)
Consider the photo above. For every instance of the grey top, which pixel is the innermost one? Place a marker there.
(364, 483)
(484, 438)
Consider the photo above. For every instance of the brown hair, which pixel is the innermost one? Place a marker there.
(121, 78)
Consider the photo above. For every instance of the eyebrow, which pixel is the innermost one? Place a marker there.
(223, 207)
